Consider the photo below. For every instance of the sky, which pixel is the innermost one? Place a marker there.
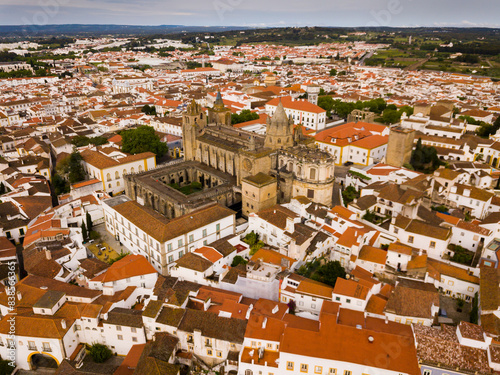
(254, 13)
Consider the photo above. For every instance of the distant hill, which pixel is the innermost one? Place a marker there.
(92, 30)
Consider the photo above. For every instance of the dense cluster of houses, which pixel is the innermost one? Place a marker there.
(193, 290)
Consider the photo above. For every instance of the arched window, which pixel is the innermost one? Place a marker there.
(140, 168)
(117, 175)
(279, 140)
(312, 173)
(248, 372)
(132, 170)
(299, 171)
(124, 172)
(108, 177)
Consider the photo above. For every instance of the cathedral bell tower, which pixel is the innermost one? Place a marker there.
(219, 114)
(279, 132)
(193, 121)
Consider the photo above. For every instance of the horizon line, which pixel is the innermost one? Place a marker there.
(259, 27)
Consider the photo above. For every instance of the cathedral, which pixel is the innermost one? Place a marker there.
(234, 166)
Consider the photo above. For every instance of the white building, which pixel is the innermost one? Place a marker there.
(123, 328)
(301, 348)
(301, 112)
(110, 165)
(471, 199)
(162, 241)
(132, 270)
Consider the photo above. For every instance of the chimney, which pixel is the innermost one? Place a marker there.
(264, 323)
(48, 254)
(19, 295)
(250, 308)
(63, 324)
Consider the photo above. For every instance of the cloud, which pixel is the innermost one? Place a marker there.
(257, 13)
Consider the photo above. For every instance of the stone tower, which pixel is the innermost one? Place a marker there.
(192, 122)
(219, 114)
(399, 146)
(313, 93)
(279, 132)
(259, 192)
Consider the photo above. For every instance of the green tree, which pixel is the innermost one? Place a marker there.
(349, 194)
(474, 312)
(41, 72)
(142, 139)
(100, 353)
(89, 221)
(485, 130)
(81, 140)
(60, 184)
(462, 255)
(390, 116)
(329, 272)
(252, 239)
(424, 158)
(238, 260)
(244, 116)
(327, 103)
(5, 367)
(84, 231)
(149, 110)
(76, 171)
(333, 72)
(343, 109)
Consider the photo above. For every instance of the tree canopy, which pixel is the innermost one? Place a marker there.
(424, 158)
(243, 116)
(76, 171)
(149, 110)
(392, 115)
(100, 353)
(81, 140)
(326, 273)
(343, 109)
(484, 130)
(70, 168)
(142, 139)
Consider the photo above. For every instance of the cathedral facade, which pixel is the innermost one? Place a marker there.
(224, 160)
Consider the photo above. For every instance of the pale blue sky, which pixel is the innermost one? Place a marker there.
(464, 13)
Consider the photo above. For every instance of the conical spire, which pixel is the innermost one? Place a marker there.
(219, 103)
(280, 115)
(279, 129)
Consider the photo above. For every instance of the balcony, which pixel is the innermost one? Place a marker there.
(47, 349)
(32, 347)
